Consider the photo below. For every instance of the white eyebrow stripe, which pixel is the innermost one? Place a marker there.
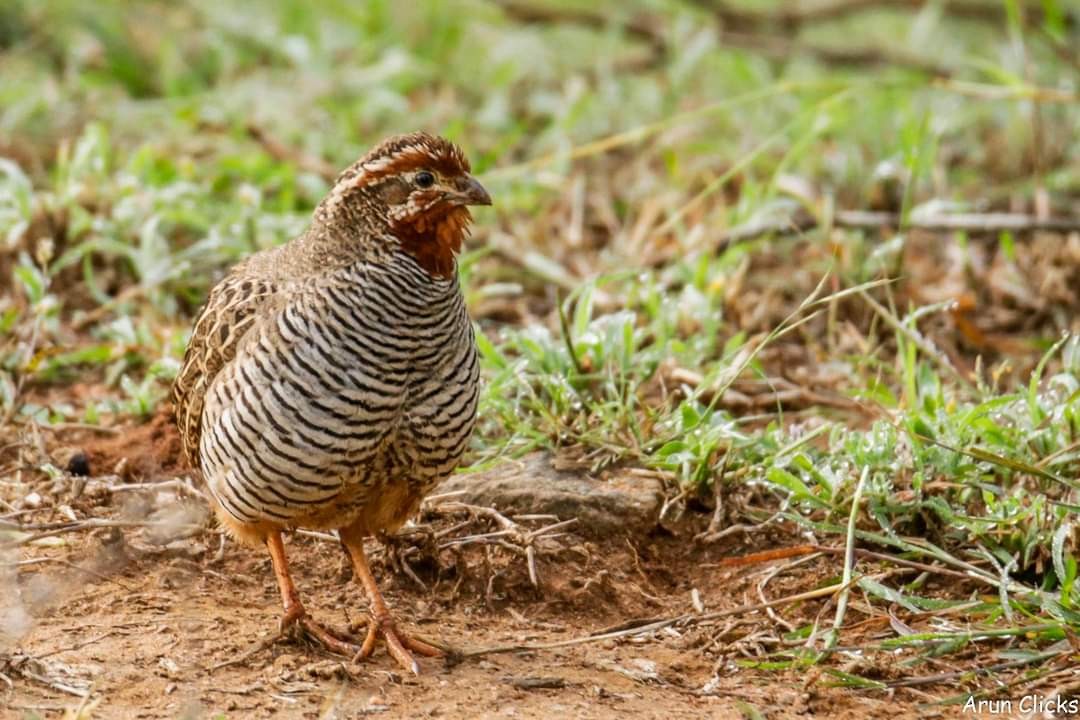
(410, 153)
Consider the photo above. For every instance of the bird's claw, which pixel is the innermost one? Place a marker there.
(297, 619)
(398, 644)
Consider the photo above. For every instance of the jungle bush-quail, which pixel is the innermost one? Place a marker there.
(332, 382)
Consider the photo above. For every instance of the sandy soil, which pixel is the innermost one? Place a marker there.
(177, 626)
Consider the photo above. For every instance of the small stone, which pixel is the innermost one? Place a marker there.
(79, 464)
(169, 666)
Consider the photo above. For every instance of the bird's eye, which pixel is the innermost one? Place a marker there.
(424, 179)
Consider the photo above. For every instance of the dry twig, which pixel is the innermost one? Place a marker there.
(510, 535)
(977, 223)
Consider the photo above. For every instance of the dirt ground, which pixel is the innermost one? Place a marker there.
(177, 625)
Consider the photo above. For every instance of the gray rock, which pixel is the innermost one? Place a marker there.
(619, 501)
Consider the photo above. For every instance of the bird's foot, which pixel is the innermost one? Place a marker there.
(297, 620)
(398, 644)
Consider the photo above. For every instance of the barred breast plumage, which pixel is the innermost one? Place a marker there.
(365, 379)
(333, 382)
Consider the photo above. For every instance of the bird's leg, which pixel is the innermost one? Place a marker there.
(295, 614)
(397, 643)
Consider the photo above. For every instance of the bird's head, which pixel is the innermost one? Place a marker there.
(419, 187)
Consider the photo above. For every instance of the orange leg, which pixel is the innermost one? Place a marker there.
(397, 643)
(295, 614)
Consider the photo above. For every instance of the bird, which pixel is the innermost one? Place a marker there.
(331, 382)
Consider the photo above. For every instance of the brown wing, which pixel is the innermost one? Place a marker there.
(233, 308)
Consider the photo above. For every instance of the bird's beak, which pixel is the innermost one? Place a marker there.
(471, 192)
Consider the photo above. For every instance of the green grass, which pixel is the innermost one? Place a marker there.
(611, 331)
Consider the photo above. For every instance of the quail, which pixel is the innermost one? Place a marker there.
(332, 382)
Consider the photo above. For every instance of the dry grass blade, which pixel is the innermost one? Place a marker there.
(849, 558)
(644, 132)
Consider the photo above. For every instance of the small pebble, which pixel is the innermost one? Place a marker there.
(79, 464)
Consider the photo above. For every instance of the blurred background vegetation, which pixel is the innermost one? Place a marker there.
(714, 251)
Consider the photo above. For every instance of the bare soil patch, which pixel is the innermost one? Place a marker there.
(162, 623)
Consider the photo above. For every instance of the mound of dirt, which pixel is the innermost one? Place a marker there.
(143, 451)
